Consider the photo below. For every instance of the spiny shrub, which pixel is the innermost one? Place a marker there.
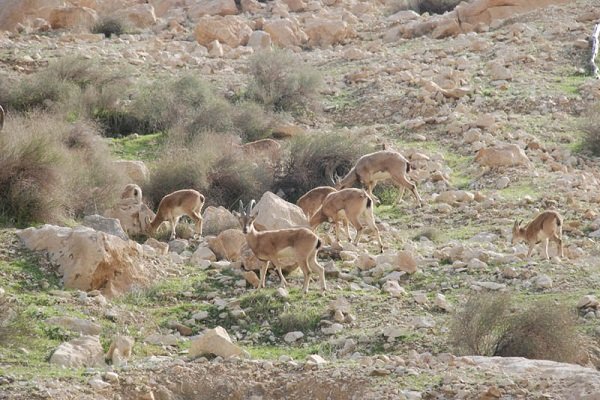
(51, 170)
(208, 164)
(591, 129)
(282, 81)
(313, 159)
(109, 26)
(252, 121)
(437, 6)
(542, 329)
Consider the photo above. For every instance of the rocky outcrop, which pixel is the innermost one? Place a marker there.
(230, 30)
(72, 18)
(324, 32)
(213, 7)
(285, 32)
(469, 17)
(88, 259)
(138, 16)
(112, 226)
(78, 325)
(84, 351)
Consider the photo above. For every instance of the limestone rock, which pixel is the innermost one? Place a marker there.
(260, 40)
(502, 155)
(212, 7)
(112, 226)
(292, 337)
(139, 15)
(203, 253)
(285, 32)
(316, 359)
(84, 351)
(227, 245)
(135, 170)
(272, 212)
(217, 220)
(215, 341)
(78, 325)
(72, 18)
(89, 259)
(230, 30)
(324, 32)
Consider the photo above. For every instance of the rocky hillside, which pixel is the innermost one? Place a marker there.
(487, 102)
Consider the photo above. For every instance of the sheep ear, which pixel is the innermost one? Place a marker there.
(250, 206)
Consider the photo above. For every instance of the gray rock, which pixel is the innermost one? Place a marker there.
(111, 226)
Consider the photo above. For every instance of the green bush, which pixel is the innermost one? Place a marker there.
(282, 81)
(313, 160)
(51, 170)
(542, 329)
(437, 6)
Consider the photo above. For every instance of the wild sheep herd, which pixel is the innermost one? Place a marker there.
(341, 203)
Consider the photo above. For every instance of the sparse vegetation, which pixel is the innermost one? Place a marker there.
(314, 159)
(489, 325)
(591, 129)
(51, 169)
(280, 80)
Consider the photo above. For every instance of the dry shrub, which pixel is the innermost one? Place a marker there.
(591, 129)
(209, 164)
(51, 169)
(313, 160)
(252, 121)
(282, 81)
(487, 326)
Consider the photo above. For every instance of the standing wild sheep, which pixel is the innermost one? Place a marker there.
(546, 226)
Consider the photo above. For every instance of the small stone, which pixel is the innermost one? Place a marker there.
(283, 293)
(543, 282)
(98, 384)
(332, 329)
(291, 337)
(316, 359)
(502, 183)
(111, 377)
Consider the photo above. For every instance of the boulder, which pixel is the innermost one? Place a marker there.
(218, 219)
(215, 341)
(135, 170)
(471, 16)
(324, 32)
(72, 18)
(260, 40)
(16, 12)
(202, 253)
(285, 32)
(78, 325)
(112, 226)
(502, 155)
(212, 7)
(133, 215)
(84, 351)
(272, 212)
(138, 16)
(295, 5)
(230, 30)
(227, 245)
(89, 259)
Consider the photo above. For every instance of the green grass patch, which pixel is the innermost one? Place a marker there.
(145, 147)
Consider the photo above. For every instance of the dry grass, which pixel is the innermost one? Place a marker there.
(51, 169)
(488, 326)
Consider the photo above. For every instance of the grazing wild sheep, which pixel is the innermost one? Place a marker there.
(378, 166)
(173, 206)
